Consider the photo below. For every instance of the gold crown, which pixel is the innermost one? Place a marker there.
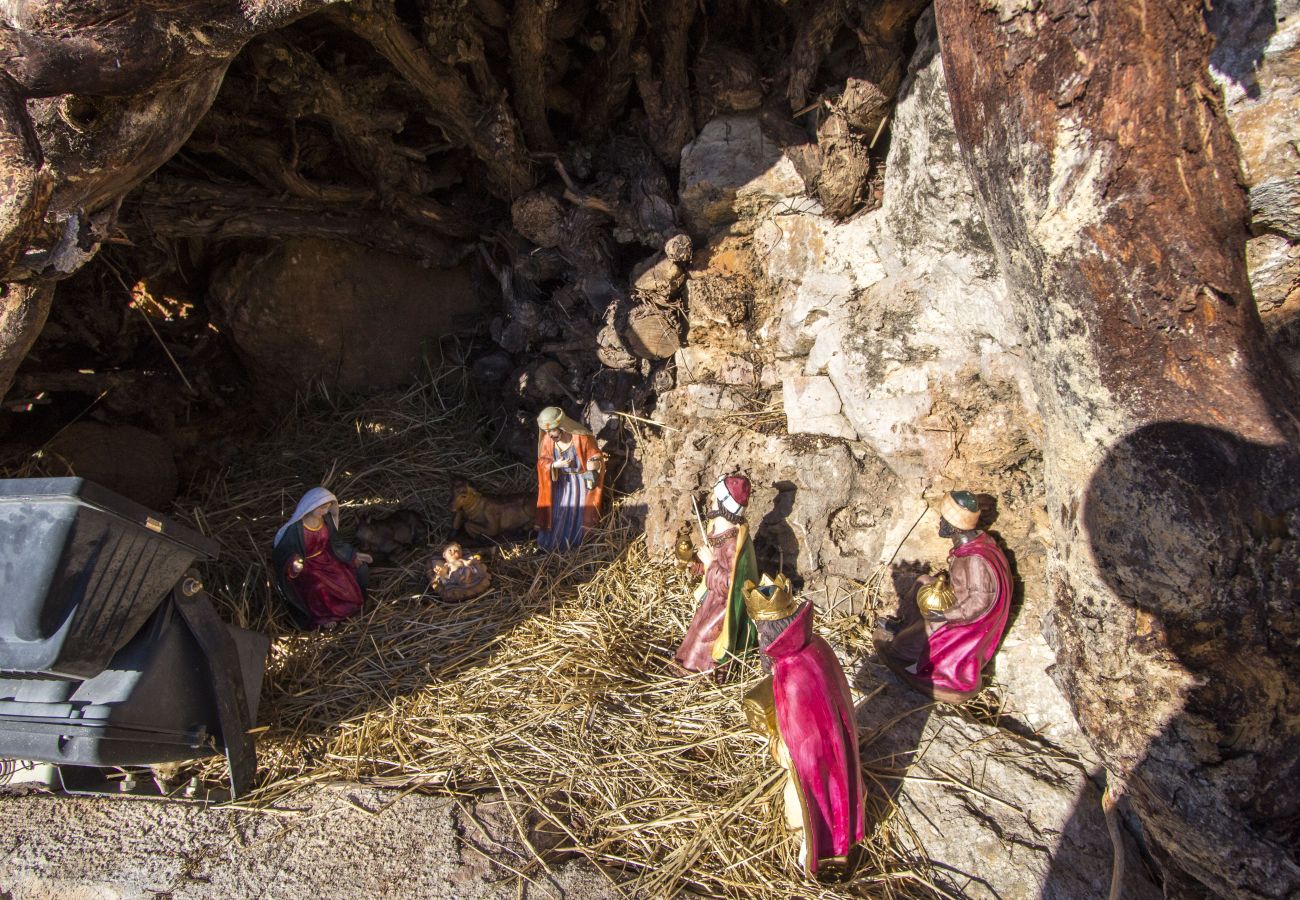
(770, 600)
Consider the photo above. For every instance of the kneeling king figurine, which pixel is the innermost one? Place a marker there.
(944, 643)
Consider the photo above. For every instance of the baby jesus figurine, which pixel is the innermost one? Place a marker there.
(458, 578)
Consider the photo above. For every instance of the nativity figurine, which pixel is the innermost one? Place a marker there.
(570, 478)
(806, 712)
(482, 514)
(457, 577)
(947, 637)
(384, 535)
(721, 629)
(322, 578)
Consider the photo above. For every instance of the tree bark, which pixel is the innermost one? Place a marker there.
(23, 310)
(613, 76)
(184, 210)
(528, 41)
(490, 132)
(117, 48)
(666, 98)
(27, 186)
(1109, 182)
(812, 42)
(306, 89)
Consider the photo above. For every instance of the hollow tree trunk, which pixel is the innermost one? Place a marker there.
(93, 98)
(1109, 181)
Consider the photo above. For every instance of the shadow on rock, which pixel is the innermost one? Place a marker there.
(1183, 673)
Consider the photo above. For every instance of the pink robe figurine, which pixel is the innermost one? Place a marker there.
(958, 651)
(815, 735)
(943, 654)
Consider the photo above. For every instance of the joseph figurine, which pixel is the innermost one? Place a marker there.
(570, 478)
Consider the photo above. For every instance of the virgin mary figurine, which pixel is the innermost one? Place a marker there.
(569, 481)
(322, 578)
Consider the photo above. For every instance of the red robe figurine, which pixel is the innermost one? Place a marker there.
(810, 722)
(941, 650)
(322, 578)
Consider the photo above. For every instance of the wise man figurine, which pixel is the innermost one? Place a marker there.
(720, 629)
(806, 712)
(952, 631)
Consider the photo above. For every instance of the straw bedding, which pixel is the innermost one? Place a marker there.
(553, 689)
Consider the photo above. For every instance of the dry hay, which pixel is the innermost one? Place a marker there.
(553, 689)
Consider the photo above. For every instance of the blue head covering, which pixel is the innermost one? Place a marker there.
(316, 497)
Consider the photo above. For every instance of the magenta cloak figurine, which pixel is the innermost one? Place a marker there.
(807, 713)
(953, 630)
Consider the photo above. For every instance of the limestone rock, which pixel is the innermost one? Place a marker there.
(812, 406)
(998, 814)
(718, 299)
(710, 363)
(1256, 61)
(800, 485)
(358, 319)
(731, 171)
(720, 286)
(1274, 264)
(1275, 206)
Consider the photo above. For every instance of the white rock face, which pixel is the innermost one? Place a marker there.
(1256, 62)
(812, 406)
(897, 302)
(731, 171)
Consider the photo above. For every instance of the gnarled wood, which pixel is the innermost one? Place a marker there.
(528, 41)
(817, 30)
(176, 209)
(608, 88)
(23, 310)
(25, 186)
(664, 89)
(488, 130)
